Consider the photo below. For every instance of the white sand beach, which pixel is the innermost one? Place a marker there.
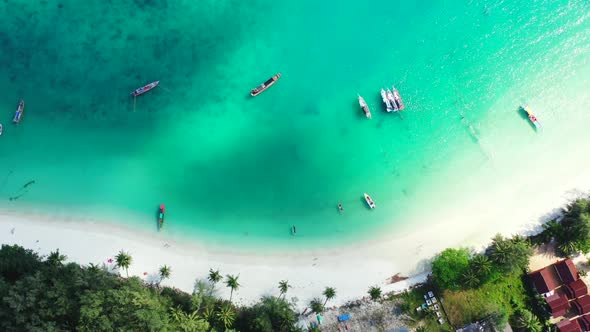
(351, 269)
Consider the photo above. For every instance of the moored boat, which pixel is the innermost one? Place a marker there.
(391, 99)
(386, 101)
(340, 208)
(369, 201)
(19, 112)
(364, 106)
(0, 129)
(145, 88)
(161, 212)
(257, 90)
(531, 116)
(398, 99)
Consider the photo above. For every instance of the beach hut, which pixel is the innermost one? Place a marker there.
(567, 325)
(576, 289)
(582, 304)
(567, 271)
(558, 304)
(545, 279)
(584, 322)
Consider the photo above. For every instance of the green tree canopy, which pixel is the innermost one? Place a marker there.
(375, 293)
(123, 260)
(510, 255)
(270, 314)
(449, 267)
(16, 262)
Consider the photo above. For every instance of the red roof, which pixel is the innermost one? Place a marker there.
(545, 279)
(584, 322)
(567, 271)
(576, 289)
(558, 304)
(582, 304)
(569, 326)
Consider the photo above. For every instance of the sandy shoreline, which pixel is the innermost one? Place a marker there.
(351, 270)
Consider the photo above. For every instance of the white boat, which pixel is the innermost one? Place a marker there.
(369, 201)
(391, 98)
(0, 129)
(364, 106)
(531, 116)
(386, 100)
(398, 99)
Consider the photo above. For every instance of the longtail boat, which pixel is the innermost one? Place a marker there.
(19, 111)
(386, 101)
(257, 90)
(531, 116)
(161, 211)
(144, 89)
(369, 201)
(391, 99)
(398, 99)
(364, 106)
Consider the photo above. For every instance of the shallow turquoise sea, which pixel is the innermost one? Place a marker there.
(241, 171)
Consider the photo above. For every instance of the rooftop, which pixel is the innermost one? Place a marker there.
(546, 279)
(576, 289)
(582, 304)
(569, 326)
(558, 304)
(567, 271)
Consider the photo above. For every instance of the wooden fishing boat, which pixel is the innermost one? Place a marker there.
(19, 111)
(398, 99)
(364, 106)
(144, 89)
(531, 116)
(257, 90)
(161, 212)
(369, 201)
(386, 101)
(391, 99)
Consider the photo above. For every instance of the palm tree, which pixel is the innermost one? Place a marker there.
(214, 276)
(284, 287)
(526, 320)
(316, 305)
(123, 260)
(226, 316)
(55, 258)
(329, 293)
(568, 248)
(481, 265)
(470, 279)
(375, 293)
(165, 272)
(232, 282)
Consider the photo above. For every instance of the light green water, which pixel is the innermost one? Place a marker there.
(239, 170)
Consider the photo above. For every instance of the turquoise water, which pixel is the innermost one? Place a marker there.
(242, 170)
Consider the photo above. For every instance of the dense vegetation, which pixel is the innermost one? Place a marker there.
(476, 287)
(46, 294)
(493, 286)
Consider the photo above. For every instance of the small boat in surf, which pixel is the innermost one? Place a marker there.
(340, 208)
(161, 212)
(145, 88)
(364, 106)
(386, 101)
(531, 116)
(369, 201)
(19, 111)
(398, 99)
(391, 99)
(259, 89)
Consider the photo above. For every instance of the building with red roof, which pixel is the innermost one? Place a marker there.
(576, 289)
(567, 271)
(546, 279)
(567, 325)
(558, 304)
(582, 304)
(584, 322)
